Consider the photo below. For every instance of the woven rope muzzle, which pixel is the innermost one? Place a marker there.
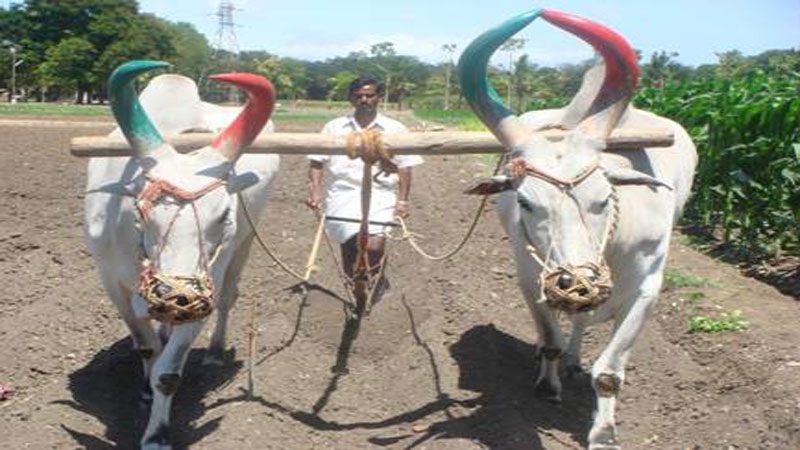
(176, 299)
(585, 292)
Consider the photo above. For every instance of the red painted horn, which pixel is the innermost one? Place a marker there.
(622, 71)
(249, 122)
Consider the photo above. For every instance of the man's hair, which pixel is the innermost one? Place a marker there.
(366, 80)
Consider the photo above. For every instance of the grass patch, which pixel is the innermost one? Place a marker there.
(52, 109)
(283, 115)
(694, 296)
(463, 120)
(675, 279)
(727, 321)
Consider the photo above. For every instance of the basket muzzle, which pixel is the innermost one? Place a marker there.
(577, 288)
(176, 299)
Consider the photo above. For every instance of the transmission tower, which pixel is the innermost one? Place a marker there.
(225, 41)
(226, 48)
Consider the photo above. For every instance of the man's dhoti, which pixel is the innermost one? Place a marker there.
(345, 201)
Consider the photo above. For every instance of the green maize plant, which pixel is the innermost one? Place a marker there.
(747, 132)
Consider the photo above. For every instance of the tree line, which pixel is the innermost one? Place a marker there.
(67, 49)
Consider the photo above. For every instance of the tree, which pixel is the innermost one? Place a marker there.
(382, 52)
(67, 66)
(511, 46)
(192, 52)
(449, 49)
(286, 74)
(731, 63)
(147, 37)
(662, 67)
(340, 84)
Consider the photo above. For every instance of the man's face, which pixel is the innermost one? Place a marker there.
(366, 99)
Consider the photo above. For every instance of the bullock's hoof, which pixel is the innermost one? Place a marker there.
(604, 438)
(604, 447)
(218, 358)
(573, 371)
(168, 383)
(548, 392)
(146, 395)
(158, 440)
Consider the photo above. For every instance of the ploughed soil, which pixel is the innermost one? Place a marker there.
(445, 361)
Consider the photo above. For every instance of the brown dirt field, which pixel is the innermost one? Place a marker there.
(445, 361)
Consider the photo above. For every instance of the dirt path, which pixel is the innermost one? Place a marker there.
(445, 361)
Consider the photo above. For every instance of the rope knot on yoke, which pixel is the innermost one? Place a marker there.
(368, 145)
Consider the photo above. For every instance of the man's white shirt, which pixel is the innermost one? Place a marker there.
(343, 198)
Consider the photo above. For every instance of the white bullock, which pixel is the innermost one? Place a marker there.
(589, 228)
(167, 230)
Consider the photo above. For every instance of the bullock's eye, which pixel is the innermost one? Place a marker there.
(226, 217)
(525, 203)
(599, 206)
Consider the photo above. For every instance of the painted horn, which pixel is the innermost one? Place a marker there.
(249, 122)
(622, 71)
(475, 85)
(141, 134)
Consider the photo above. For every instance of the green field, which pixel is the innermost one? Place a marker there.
(464, 120)
(305, 115)
(49, 109)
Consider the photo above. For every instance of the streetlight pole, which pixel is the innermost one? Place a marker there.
(13, 74)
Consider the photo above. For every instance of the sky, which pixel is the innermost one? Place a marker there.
(317, 30)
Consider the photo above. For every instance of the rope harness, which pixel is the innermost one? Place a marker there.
(588, 285)
(175, 299)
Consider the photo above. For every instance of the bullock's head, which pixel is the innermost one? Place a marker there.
(185, 203)
(558, 193)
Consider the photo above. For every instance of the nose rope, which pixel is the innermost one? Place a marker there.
(176, 299)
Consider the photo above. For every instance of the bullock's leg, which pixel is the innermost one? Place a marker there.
(551, 341)
(226, 298)
(164, 380)
(608, 372)
(145, 340)
(572, 356)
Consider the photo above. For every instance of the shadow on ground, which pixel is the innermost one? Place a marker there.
(108, 388)
(506, 414)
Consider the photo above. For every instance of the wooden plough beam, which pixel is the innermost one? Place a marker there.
(433, 143)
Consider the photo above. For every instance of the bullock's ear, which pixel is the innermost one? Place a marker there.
(629, 176)
(486, 186)
(238, 183)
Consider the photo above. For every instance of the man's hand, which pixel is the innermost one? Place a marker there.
(316, 172)
(402, 209)
(314, 200)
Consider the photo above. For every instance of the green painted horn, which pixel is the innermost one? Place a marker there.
(133, 121)
(475, 85)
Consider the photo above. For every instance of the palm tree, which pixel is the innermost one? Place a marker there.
(449, 49)
(511, 46)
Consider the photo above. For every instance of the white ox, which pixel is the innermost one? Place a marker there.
(589, 228)
(167, 230)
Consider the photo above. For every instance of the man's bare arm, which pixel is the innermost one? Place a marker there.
(402, 208)
(316, 174)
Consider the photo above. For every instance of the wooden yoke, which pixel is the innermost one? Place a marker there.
(432, 143)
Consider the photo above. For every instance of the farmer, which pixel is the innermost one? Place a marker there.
(389, 191)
